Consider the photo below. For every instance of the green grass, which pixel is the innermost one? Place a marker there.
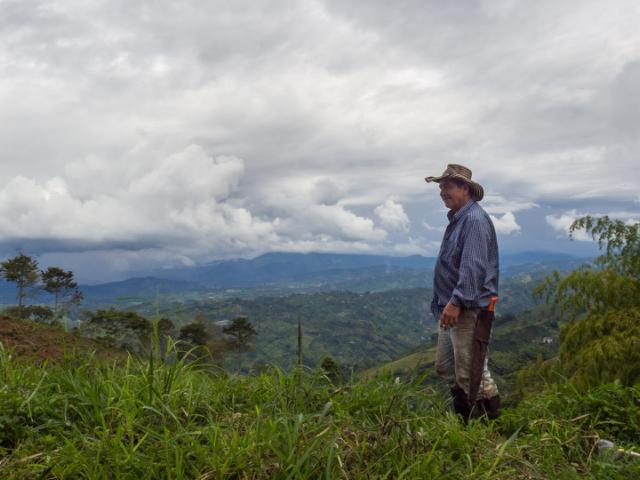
(152, 420)
(404, 365)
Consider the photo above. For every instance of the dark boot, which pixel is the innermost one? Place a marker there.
(492, 407)
(489, 407)
(461, 403)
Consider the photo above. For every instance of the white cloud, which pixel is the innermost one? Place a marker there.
(339, 222)
(431, 228)
(562, 223)
(309, 208)
(494, 203)
(393, 216)
(506, 224)
(184, 207)
(416, 247)
(312, 123)
(181, 199)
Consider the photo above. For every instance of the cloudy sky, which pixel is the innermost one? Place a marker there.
(146, 134)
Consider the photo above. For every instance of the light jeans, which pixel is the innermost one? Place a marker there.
(453, 356)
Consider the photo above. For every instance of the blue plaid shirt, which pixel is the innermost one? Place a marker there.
(466, 272)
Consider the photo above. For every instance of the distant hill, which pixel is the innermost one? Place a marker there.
(283, 267)
(138, 289)
(276, 274)
(301, 267)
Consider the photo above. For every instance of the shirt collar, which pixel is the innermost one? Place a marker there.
(455, 216)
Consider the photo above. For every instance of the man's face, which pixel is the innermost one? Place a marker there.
(454, 197)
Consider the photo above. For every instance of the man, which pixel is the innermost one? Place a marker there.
(465, 289)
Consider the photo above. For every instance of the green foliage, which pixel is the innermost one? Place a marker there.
(355, 329)
(199, 342)
(35, 313)
(332, 370)
(61, 284)
(358, 330)
(195, 334)
(588, 290)
(602, 348)
(602, 302)
(127, 330)
(24, 272)
(238, 334)
(609, 411)
(165, 326)
(612, 283)
(620, 240)
(175, 421)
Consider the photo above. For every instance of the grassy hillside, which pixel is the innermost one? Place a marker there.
(155, 421)
(36, 342)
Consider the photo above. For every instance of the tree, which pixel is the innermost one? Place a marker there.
(165, 327)
(239, 333)
(163, 330)
(202, 342)
(601, 348)
(611, 282)
(23, 271)
(332, 370)
(601, 340)
(62, 286)
(195, 334)
(127, 330)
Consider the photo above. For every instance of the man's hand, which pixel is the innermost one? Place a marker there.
(449, 316)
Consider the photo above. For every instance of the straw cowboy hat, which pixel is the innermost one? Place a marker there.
(461, 173)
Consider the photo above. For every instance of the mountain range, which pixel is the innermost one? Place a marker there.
(284, 273)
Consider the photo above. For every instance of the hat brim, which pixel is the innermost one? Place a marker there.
(475, 189)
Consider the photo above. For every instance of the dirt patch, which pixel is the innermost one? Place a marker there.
(41, 343)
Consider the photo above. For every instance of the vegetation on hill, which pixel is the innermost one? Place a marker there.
(355, 329)
(153, 420)
(31, 341)
(166, 414)
(601, 303)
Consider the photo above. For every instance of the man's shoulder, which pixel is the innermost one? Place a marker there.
(476, 213)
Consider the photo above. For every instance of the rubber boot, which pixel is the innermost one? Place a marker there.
(461, 403)
(492, 407)
(488, 407)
